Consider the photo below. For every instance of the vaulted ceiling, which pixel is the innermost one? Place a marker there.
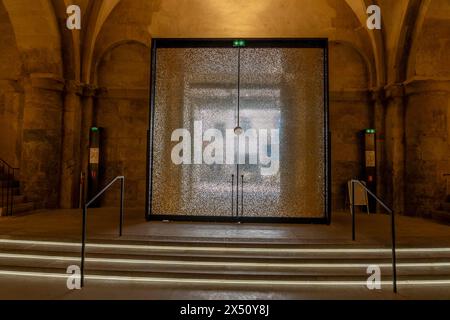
(46, 46)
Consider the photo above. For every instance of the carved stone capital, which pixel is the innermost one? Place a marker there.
(395, 90)
(48, 82)
(73, 87)
(420, 86)
(89, 90)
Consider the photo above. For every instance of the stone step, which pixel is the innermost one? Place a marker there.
(19, 208)
(5, 183)
(139, 249)
(19, 199)
(441, 216)
(15, 191)
(445, 206)
(219, 266)
(211, 263)
(233, 281)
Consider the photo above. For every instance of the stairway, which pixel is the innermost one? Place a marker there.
(443, 214)
(20, 203)
(219, 265)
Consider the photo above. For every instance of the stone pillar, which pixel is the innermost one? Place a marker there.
(71, 153)
(395, 147)
(379, 119)
(427, 124)
(350, 113)
(89, 94)
(11, 113)
(41, 141)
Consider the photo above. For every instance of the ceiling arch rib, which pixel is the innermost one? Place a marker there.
(99, 14)
(359, 7)
(37, 36)
(420, 19)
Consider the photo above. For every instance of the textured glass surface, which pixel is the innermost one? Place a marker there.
(193, 85)
(281, 88)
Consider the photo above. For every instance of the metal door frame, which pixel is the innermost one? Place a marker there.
(228, 43)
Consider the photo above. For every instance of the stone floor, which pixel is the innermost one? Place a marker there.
(102, 223)
(36, 289)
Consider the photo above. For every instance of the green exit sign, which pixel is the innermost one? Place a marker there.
(239, 43)
(370, 131)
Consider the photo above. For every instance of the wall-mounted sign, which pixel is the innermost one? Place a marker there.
(94, 155)
(370, 159)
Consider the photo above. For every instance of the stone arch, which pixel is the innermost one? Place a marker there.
(405, 40)
(37, 35)
(100, 12)
(70, 42)
(122, 111)
(350, 112)
(411, 63)
(361, 70)
(429, 56)
(10, 91)
(121, 25)
(376, 40)
(105, 52)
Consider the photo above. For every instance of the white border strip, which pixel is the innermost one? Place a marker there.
(224, 281)
(224, 249)
(219, 263)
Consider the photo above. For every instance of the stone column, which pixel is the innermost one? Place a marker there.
(41, 149)
(11, 113)
(71, 153)
(395, 147)
(427, 124)
(350, 113)
(88, 98)
(379, 120)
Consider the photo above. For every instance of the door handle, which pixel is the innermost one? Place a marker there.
(242, 195)
(232, 195)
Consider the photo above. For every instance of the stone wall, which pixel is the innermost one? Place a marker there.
(40, 165)
(122, 111)
(427, 143)
(10, 97)
(419, 120)
(350, 113)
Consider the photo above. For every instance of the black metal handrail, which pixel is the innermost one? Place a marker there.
(447, 175)
(393, 233)
(84, 224)
(8, 185)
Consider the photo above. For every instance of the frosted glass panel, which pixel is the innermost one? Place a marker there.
(283, 89)
(193, 85)
(282, 103)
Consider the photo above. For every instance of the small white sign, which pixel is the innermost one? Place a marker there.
(94, 155)
(370, 159)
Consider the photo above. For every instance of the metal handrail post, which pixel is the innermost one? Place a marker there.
(353, 212)
(242, 195)
(122, 189)
(394, 255)
(12, 190)
(8, 192)
(393, 233)
(83, 244)
(84, 221)
(2, 173)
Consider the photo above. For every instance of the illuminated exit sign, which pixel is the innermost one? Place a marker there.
(239, 43)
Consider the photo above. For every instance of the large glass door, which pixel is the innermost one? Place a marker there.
(194, 105)
(239, 132)
(282, 106)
